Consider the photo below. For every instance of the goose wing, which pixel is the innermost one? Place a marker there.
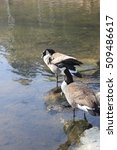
(81, 95)
(65, 59)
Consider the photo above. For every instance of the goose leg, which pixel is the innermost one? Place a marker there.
(57, 80)
(74, 114)
(85, 117)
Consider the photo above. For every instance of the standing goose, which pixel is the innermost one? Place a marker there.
(79, 96)
(55, 61)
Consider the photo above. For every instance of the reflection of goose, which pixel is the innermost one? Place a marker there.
(74, 130)
(55, 61)
(79, 96)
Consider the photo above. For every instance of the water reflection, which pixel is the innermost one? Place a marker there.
(24, 81)
(96, 74)
(26, 29)
(71, 26)
(26, 69)
(74, 130)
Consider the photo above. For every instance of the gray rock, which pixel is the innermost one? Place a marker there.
(90, 140)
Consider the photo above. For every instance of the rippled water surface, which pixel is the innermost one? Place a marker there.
(29, 120)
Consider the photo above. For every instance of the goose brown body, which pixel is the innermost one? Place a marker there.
(79, 95)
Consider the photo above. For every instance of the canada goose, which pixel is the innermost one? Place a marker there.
(55, 61)
(79, 96)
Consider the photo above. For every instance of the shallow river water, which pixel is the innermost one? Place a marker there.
(29, 120)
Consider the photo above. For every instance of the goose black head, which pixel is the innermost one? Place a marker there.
(50, 51)
(47, 51)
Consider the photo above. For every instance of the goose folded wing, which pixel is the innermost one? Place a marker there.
(81, 95)
(61, 65)
(61, 58)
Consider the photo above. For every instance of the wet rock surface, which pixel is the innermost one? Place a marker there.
(55, 101)
(73, 130)
(91, 139)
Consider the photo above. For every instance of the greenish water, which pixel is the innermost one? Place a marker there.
(26, 29)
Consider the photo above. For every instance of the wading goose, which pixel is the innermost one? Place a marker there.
(55, 61)
(79, 95)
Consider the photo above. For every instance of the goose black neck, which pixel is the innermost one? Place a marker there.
(69, 78)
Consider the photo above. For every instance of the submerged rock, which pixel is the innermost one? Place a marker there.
(73, 129)
(24, 81)
(55, 101)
